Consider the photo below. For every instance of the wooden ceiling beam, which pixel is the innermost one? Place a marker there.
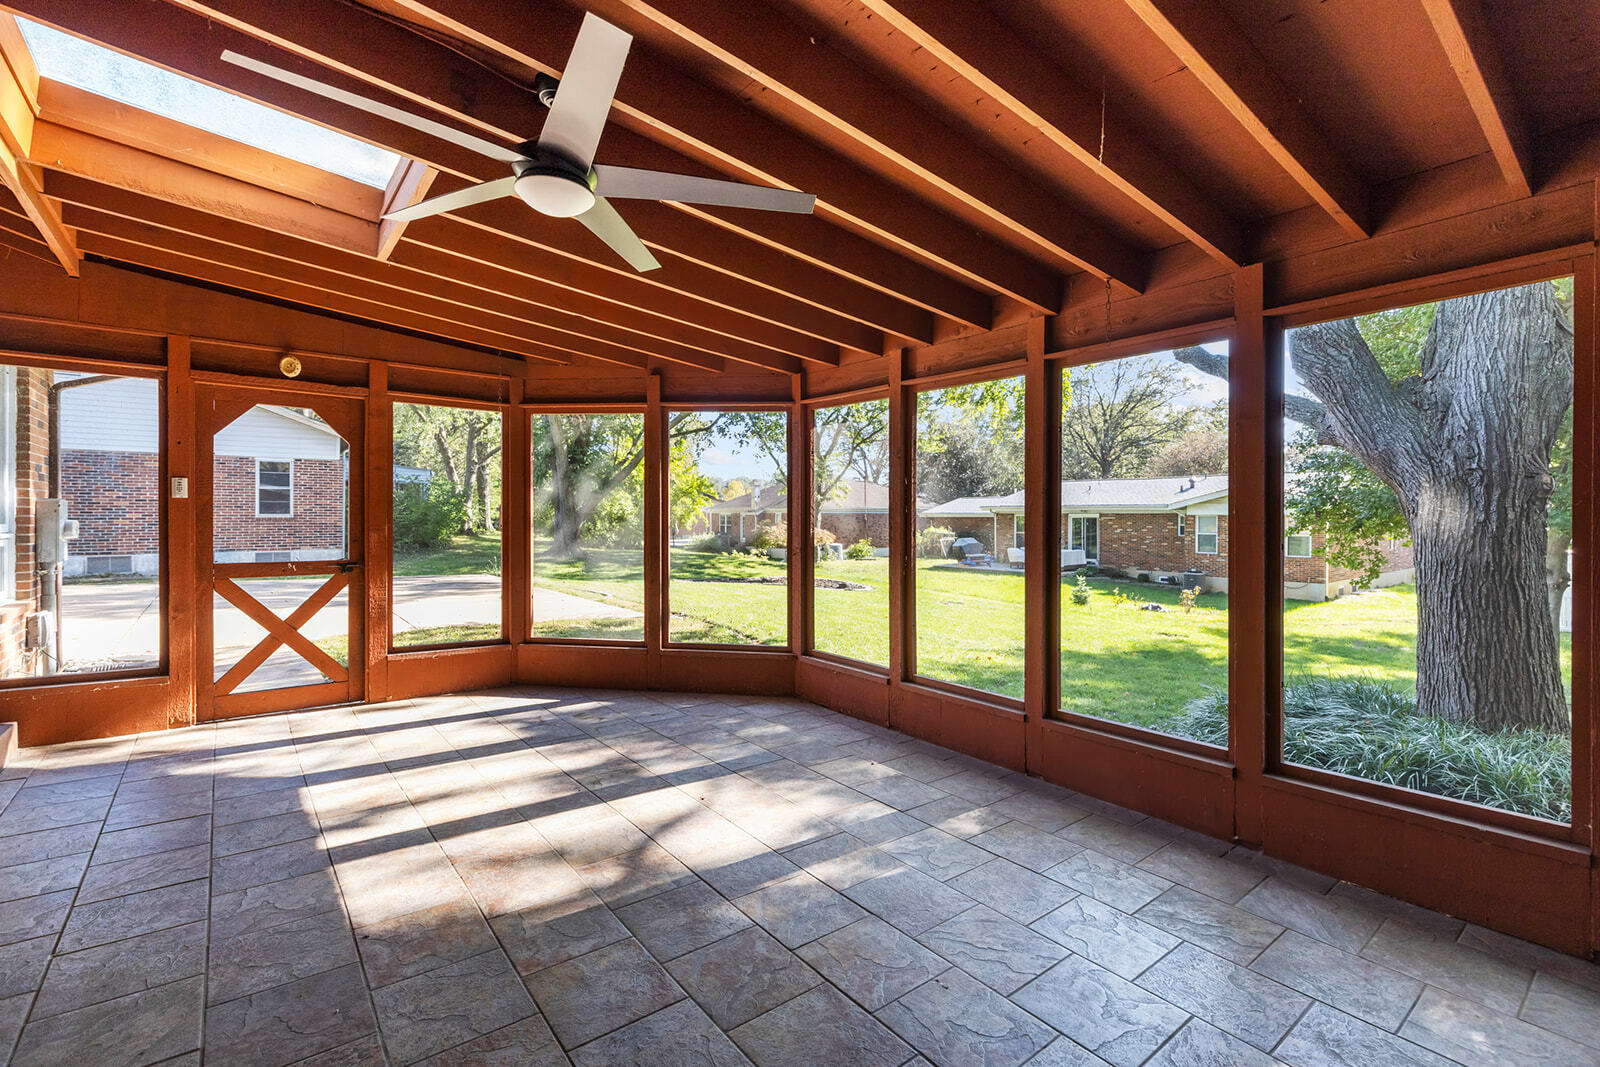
(719, 130)
(1469, 43)
(462, 286)
(1033, 88)
(784, 71)
(1206, 40)
(19, 107)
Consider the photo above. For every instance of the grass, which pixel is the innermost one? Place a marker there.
(338, 645)
(477, 553)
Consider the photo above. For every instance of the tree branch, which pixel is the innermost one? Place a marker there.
(1301, 409)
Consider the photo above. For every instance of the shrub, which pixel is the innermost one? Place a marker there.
(862, 549)
(775, 535)
(1144, 576)
(1369, 730)
(1186, 598)
(928, 541)
(708, 543)
(821, 536)
(427, 515)
(1088, 571)
(1080, 591)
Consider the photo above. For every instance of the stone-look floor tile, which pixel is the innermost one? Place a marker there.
(31, 917)
(41, 876)
(736, 876)
(1438, 960)
(958, 817)
(1001, 953)
(682, 920)
(634, 876)
(875, 822)
(1013, 891)
(106, 880)
(230, 874)
(598, 839)
(130, 813)
(843, 860)
(1199, 1044)
(1226, 995)
(872, 961)
(136, 913)
(1282, 870)
(922, 766)
(1566, 1008)
(1101, 934)
(156, 837)
(278, 954)
(1325, 1037)
(1465, 1030)
(1198, 869)
(288, 1023)
(742, 976)
(603, 991)
(12, 1011)
(1109, 880)
(1334, 920)
(263, 833)
(1113, 1018)
(22, 965)
(145, 1027)
(387, 884)
(678, 1035)
(1115, 838)
(419, 941)
(1386, 907)
(120, 969)
(23, 817)
(543, 936)
(49, 844)
(1353, 985)
(1535, 957)
(981, 787)
(1205, 921)
(364, 1051)
(260, 805)
(528, 1043)
(430, 1012)
(820, 1026)
(799, 909)
(903, 793)
(508, 869)
(1026, 845)
(956, 1019)
(1065, 1052)
(264, 906)
(936, 853)
(1049, 810)
(909, 900)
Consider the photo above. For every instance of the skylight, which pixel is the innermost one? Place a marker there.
(68, 59)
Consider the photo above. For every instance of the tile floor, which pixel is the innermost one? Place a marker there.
(547, 876)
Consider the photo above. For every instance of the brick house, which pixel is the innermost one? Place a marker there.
(1162, 527)
(856, 510)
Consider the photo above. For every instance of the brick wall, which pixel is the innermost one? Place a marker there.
(33, 484)
(1137, 543)
(316, 525)
(115, 498)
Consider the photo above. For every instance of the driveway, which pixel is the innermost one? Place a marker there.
(117, 626)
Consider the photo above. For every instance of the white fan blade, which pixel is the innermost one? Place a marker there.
(372, 107)
(627, 183)
(472, 194)
(583, 99)
(603, 221)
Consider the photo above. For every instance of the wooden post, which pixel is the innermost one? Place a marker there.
(516, 520)
(1586, 576)
(379, 546)
(902, 528)
(802, 551)
(655, 527)
(182, 574)
(1255, 552)
(1042, 534)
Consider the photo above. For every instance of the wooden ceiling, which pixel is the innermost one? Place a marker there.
(974, 163)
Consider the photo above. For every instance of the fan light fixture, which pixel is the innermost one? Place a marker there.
(554, 195)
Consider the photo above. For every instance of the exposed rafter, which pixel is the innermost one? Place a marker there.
(1475, 59)
(1205, 39)
(19, 106)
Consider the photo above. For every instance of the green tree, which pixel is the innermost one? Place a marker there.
(462, 445)
(1119, 414)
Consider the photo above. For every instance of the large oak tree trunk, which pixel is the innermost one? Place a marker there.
(1466, 447)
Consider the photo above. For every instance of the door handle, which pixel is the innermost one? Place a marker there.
(347, 566)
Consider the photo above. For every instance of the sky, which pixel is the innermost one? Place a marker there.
(64, 58)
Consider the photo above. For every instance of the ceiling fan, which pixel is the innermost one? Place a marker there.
(556, 175)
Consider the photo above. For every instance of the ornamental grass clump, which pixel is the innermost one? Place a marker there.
(1369, 730)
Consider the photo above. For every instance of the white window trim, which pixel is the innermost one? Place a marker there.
(259, 460)
(1018, 530)
(724, 522)
(1310, 548)
(8, 483)
(1215, 534)
(1071, 516)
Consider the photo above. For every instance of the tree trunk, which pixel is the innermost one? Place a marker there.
(1466, 447)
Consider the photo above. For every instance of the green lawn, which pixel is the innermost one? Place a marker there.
(477, 553)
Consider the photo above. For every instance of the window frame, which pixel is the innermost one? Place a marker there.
(8, 484)
(1081, 518)
(1215, 534)
(259, 460)
(1310, 546)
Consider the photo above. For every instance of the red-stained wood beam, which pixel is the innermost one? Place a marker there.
(192, 45)
(1013, 75)
(657, 99)
(778, 65)
(410, 184)
(427, 277)
(1206, 40)
(1469, 43)
(19, 85)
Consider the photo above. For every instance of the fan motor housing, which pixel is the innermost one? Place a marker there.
(551, 184)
